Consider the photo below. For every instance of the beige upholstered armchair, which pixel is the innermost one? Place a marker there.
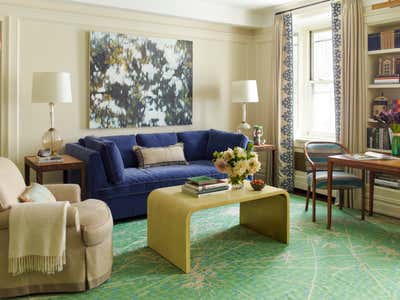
(89, 252)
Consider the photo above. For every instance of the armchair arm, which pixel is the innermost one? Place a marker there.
(65, 192)
(95, 174)
(72, 218)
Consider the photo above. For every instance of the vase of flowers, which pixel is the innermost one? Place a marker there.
(391, 120)
(237, 163)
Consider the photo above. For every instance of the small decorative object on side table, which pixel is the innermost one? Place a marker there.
(257, 134)
(268, 148)
(68, 163)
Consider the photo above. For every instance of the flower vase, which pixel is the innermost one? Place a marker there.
(236, 183)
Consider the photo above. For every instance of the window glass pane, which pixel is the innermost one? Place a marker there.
(323, 110)
(321, 52)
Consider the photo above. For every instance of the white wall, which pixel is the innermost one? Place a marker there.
(53, 36)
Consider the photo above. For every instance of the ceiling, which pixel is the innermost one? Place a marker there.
(248, 13)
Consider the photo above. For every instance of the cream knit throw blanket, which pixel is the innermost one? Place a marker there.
(37, 237)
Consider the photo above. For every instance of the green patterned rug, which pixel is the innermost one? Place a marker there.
(355, 260)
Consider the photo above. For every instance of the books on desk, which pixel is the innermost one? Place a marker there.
(203, 185)
(369, 155)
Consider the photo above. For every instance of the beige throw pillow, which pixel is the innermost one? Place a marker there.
(160, 156)
(37, 193)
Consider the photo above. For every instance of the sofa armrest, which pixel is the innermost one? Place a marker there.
(72, 218)
(65, 192)
(95, 173)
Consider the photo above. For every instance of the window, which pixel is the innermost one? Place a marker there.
(314, 98)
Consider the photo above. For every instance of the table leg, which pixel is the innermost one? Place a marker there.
(168, 229)
(27, 175)
(371, 192)
(329, 205)
(363, 196)
(83, 182)
(65, 176)
(39, 177)
(268, 216)
(273, 179)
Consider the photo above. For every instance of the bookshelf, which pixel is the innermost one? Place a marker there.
(390, 91)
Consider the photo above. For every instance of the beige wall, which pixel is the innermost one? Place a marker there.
(52, 36)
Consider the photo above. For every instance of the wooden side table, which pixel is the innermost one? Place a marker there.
(69, 163)
(268, 148)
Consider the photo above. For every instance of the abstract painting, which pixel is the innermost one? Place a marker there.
(139, 82)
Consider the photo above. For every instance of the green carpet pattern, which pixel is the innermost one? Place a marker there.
(355, 260)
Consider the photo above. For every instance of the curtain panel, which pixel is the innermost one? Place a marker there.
(283, 98)
(336, 13)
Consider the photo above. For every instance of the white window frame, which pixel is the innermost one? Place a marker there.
(304, 89)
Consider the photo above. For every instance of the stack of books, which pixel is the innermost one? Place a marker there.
(203, 185)
(50, 159)
(393, 79)
(387, 181)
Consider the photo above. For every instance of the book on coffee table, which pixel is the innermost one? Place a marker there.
(201, 180)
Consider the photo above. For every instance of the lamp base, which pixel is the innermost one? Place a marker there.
(52, 140)
(243, 126)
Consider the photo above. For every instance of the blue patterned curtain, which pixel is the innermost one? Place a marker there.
(336, 8)
(284, 98)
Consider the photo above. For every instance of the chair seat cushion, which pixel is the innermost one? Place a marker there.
(139, 181)
(95, 220)
(339, 180)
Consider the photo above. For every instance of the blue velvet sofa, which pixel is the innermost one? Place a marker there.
(112, 167)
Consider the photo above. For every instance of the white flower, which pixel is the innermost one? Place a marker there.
(254, 165)
(228, 154)
(221, 165)
(241, 168)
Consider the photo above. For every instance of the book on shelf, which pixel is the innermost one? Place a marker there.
(379, 138)
(387, 180)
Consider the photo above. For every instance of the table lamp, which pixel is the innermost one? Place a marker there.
(244, 91)
(51, 88)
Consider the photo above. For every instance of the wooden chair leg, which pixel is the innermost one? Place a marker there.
(341, 199)
(348, 198)
(314, 204)
(307, 197)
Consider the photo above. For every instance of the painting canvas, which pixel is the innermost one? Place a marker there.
(139, 82)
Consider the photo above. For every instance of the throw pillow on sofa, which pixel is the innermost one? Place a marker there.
(160, 156)
(222, 140)
(111, 157)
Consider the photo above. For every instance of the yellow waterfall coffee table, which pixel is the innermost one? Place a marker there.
(169, 211)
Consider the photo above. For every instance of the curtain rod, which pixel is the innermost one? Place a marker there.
(303, 6)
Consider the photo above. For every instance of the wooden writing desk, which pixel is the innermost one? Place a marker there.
(373, 166)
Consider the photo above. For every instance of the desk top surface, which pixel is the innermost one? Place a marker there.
(379, 165)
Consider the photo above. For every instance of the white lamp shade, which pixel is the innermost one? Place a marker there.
(52, 87)
(244, 91)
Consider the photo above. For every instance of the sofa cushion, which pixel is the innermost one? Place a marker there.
(157, 139)
(95, 220)
(125, 144)
(195, 144)
(160, 156)
(222, 140)
(139, 181)
(111, 157)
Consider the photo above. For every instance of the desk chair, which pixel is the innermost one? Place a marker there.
(317, 175)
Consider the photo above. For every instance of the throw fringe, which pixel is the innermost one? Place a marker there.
(36, 263)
